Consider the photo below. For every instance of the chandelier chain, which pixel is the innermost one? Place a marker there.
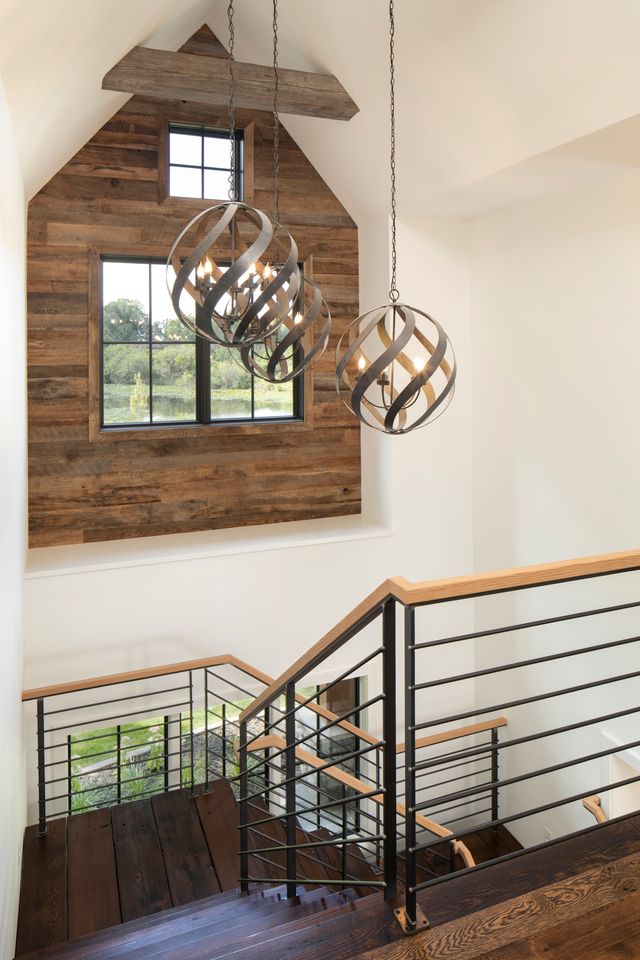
(393, 292)
(276, 117)
(233, 182)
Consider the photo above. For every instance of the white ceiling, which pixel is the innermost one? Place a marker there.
(490, 92)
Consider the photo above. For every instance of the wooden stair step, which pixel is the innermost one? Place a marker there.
(42, 919)
(142, 880)
(190, 871)
(220, 821)
(93, 897)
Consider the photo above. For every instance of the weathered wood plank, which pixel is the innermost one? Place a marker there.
(142, 880)
(187, 76)
(93, 884)
(42, 920)
(190, 872)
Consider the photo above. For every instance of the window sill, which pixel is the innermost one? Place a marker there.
(188, 431)
(43, 562)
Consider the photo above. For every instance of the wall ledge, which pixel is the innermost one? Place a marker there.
(43, 562)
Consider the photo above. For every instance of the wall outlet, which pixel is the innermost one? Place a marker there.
(547, 834)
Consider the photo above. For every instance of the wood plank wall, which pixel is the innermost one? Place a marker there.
(86, 489)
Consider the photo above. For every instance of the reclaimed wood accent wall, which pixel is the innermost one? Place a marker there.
(85, 487)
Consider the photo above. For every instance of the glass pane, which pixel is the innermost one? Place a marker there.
(174, 382)
(165, 325)
(125, 301)
(273, 399)
(126, 383)
(185, 148)
(185, 182)
(216, 184)
(217, 152)
(230, 387)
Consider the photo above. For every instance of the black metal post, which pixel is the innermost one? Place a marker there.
(190, 728)
(267, 755)
(224, 740)
(118, 763)
(409, 763)
(166, 754)
(345, 831)
(244, 829)
(290, 792)
(69, 776)
(390, 850)
(206, 730)
(378, 810)
(494, 779)
(42, 791)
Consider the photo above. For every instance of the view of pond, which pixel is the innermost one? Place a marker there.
(178, 408)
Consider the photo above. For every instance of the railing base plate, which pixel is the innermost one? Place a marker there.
(408, 928)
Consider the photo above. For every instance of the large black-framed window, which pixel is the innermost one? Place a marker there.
(200, 162)
(155, 372)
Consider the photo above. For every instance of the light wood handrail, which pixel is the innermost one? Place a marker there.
(433, 591)
(148, 673)
(273, 741)
(455, 733)
(594, 806)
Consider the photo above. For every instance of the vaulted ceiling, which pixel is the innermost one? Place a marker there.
(498, 99)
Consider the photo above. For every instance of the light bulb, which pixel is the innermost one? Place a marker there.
(361, 363)
(419, 363)
(297, 318)
(208, 267)
(200, 272)
(266, 273)
(252, 269)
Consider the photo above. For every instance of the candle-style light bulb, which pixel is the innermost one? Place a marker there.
(361, 364)
(266, 273)
(200, 271)
(297, 318)
(208, 267)
(252, 269)
(419, 363)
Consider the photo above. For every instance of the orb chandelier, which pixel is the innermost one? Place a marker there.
(287, 351)
(239, 270)
(395, 366)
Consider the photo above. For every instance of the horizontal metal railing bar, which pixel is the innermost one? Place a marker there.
(471, 752)
(110, 786)
(319, 692)
(282, 847)
(101, 736)
(313, 771)
(515, 854)
(533, 699)
(311, 736)
(533, 811)
(118, 716)
(98, 806)
(464, 776)
(79, 775)
(437, 769)
(515, 665)
(319, 808)
(532, 774)
(329, 817)
(109, 753)
(467, 816)
(334, 842)
(107, 703)
(436, 811)
(496, 631)
(318, 882)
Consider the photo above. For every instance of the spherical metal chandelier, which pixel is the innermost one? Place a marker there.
(390, 373)
(297, 342)
(395, 367)
(239, 270)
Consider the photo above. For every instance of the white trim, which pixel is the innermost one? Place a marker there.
(69, 560)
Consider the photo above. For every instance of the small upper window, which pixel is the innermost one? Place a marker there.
(200, 163)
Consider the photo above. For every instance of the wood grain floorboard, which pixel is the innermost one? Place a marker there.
(190, 871)
(93, 883)
(142, 879)
(42, 919)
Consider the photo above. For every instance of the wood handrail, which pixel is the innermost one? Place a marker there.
(594, 806)
(455, 733)
(149, 673)
(273, 741)
(434, 591)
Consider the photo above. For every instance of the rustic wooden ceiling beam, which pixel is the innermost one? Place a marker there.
(185, 76)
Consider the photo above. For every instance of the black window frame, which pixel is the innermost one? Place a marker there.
(213, 133)
(202, 368)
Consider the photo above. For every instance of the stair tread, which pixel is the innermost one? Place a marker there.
(220, 819)
(43, 897)
(142, 881)
(190, 871)
(93, 899)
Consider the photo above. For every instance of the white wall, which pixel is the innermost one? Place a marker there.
(556, 394)
(12, 522)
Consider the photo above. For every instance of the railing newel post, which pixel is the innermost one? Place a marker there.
(290, 789)
(495, 800)
(244, 808)
(205, 673)
(42, 787)
(409, 764)
(390, 842)
(191, 745)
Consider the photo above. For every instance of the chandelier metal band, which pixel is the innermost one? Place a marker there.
(381, 383)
